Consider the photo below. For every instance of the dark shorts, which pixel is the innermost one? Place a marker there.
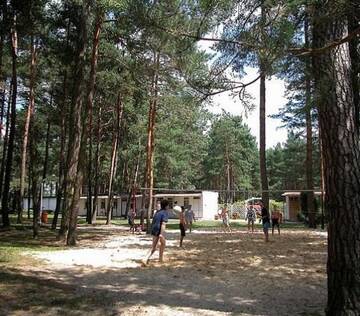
(155, 231)
(182, 229)
(266, 226)
(131, 221)
(275, 222)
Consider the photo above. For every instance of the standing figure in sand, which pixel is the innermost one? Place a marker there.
(158, 231)
(131, 218)
(276, 219)
(265, 218)
(182, 225)
(225, 219)
(250, 217)
(189, 217)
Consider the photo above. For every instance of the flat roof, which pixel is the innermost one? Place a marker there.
(177, 194)
(298, 193)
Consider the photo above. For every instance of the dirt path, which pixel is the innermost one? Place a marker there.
(217, 274)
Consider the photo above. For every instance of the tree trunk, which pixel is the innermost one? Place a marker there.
(5, 143)
(150, 146)
(29, 114)
(47, 147)
(63, 110)
(262, 147)
(119, 114)
(10, 150)
(61, 172)
(3, 32)
(354, 17)
(340, 142)
(29, 191)
(97, 166)
(73, 176)
(262, 119)
(36, 192)
(90, 98)
(309, 137)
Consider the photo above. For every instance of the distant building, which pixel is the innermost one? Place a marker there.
(203, 203)
(293, 204)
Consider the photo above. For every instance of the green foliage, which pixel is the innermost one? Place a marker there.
(231, 151)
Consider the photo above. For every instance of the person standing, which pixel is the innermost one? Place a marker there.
(276, 218)
(158, 227)
(131, 218)
(250, 217)
(189, 218)
(226, 219)
(265, 217)
(182, 225)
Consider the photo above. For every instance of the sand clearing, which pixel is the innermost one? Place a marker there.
(216, 274)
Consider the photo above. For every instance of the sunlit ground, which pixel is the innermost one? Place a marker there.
(216, 274)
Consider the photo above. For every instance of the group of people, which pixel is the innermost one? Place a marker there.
(158, 226)
(276, 219)
(187, 217)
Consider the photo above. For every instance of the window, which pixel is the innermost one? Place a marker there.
(102, 204)
(186, 202)
(115, 205)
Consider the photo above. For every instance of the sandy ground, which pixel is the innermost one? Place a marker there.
(216, 274)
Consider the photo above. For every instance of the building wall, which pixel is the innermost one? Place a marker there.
(294, 208)
(204, 206)
(209, 204)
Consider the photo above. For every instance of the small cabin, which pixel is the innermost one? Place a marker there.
(293, 204)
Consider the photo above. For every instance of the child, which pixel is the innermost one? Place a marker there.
(131, 219)
(189, 218)
(250, 217)
(265, 220)
(225, 218)
(276, 218)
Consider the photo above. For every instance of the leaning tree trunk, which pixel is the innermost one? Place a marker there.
(309, 137)
(340, 142)
(29, 114)
(10, 149)
(150, 146)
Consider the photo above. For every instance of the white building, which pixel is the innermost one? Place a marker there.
(203, 203)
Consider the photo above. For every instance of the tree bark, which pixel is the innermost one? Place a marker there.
(10, 150)
(309, 137)
(5, 143)
(112, 174)
(262, 119)
(29, 114)
(97, 166)
(150, 146)
(340, 142)
(74, 176)
(262, 140)
(61, 172)
(63, 110)
(90, 98)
